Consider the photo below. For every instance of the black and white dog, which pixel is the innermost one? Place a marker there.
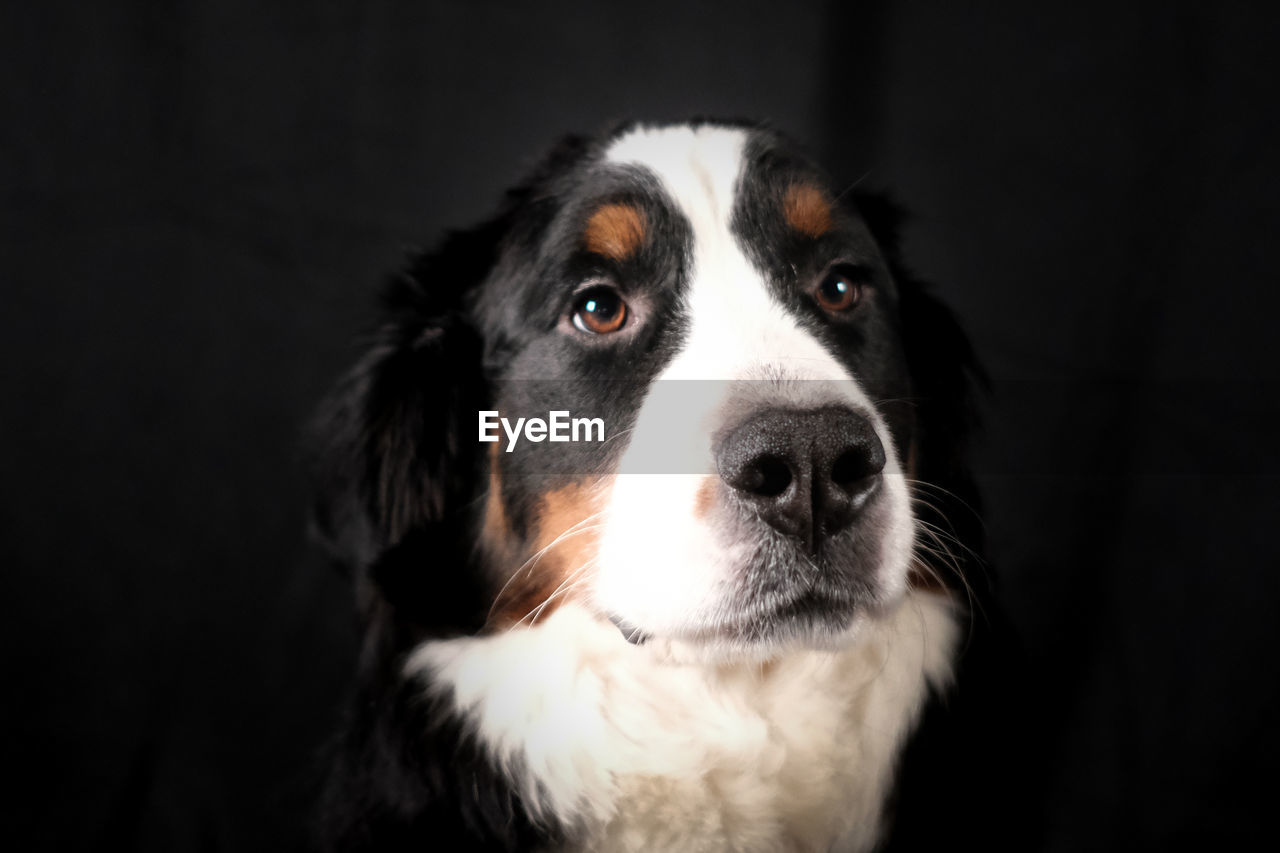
(715, 628)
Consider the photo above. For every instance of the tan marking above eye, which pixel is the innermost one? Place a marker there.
(807, 210)
(615, 231)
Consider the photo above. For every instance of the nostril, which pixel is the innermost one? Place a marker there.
(851, 467)
(767, 476)
(847, 469)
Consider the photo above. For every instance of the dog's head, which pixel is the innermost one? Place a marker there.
(767, 379)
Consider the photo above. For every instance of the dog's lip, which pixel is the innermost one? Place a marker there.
(632, 634)
(809, 604)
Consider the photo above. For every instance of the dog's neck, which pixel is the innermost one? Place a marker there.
(629, 750)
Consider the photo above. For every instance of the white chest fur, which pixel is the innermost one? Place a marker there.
(639, 753)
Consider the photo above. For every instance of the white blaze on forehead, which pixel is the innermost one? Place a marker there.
(737, 328)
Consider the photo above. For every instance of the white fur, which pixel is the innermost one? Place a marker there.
(679, 583)
(637, 752)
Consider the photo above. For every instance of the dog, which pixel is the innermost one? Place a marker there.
(649, 488)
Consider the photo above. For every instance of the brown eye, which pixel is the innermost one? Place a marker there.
(839, 291)
(599, 311)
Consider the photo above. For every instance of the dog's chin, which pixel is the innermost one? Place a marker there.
(752, 632)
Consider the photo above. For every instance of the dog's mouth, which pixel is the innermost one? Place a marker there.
(816, 617)
(812, 616)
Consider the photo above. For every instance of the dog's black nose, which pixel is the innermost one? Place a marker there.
(807, 472)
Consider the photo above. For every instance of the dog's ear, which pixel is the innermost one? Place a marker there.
(394, 445)
(945, 377)
(395, 458)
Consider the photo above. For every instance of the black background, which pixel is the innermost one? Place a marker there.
(199, 200)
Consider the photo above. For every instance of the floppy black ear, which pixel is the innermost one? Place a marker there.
(945, 375)
(395, 443)
(396, 460)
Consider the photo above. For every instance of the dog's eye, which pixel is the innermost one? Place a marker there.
(599, 311)
(838, 291)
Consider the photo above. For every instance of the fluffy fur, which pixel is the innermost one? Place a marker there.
(644, 644)
(648, 754)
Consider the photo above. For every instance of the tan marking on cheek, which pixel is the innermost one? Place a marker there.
(925, 578)
(564, 543)
(615, 231)
(705, 498)
(807, 210)
(496, 534)
(921, 575)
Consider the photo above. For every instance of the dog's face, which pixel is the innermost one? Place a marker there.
(701, 291)
(707, 295)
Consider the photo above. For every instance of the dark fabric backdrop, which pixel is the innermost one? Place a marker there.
(199, 200)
